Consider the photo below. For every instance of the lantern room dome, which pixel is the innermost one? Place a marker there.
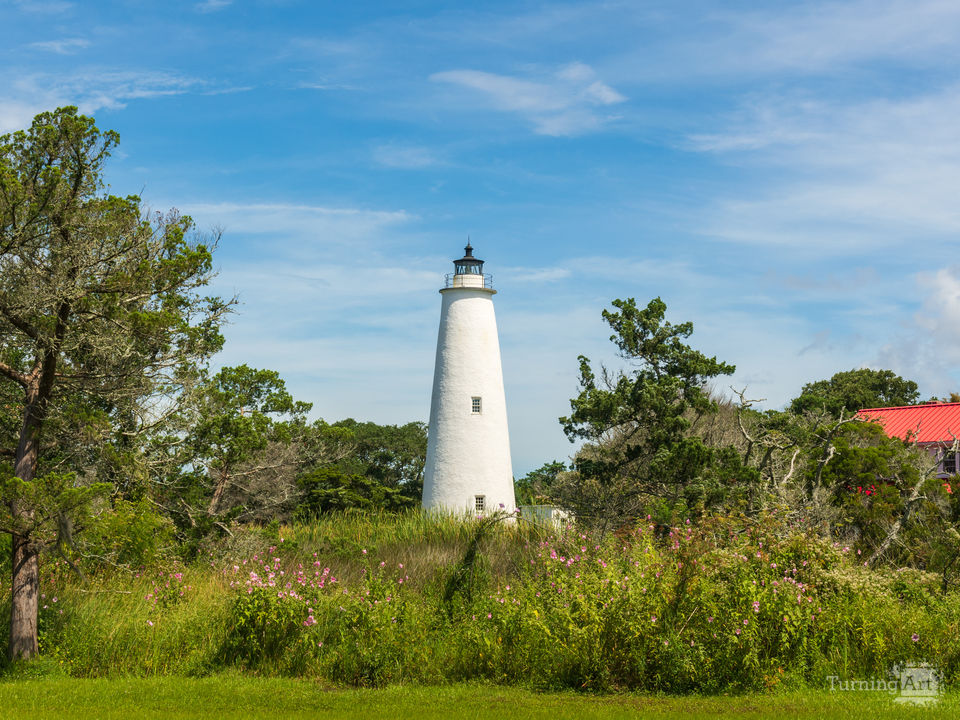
(468, 264)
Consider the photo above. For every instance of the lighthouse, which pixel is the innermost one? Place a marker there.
(468, 468)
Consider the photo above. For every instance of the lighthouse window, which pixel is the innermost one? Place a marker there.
(475, 405)
(470, 269)
(479, 501)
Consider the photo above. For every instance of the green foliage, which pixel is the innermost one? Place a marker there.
(361, 465)
(262, 622)
(637, 423)
(539, 486)
(729, 604)
(329, 489)
(464, 578)
(236, 413)
(160, 622)
(101, 323)
(855, 390)
(391, 455)
(233, 452)
(129, 534)
(57, 501)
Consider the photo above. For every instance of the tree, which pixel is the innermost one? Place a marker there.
(330, 489)
(237, 415)
(101, 322)
(390, 455)
(362, 465)
(539, 486)
(639, 450)
(855, 390)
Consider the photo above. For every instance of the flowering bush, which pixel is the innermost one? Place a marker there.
(710, 608)
(725, 604)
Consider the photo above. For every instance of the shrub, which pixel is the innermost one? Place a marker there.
(131, 534)
(728, 604)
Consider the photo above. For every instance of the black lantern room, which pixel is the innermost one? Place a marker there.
(468, 264)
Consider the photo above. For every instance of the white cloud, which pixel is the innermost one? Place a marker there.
(534, 275)
(940, 317)
(831, 38)
(821, 36)
(928, 348)
(67, 46)
(565, 103)
(509, 93)
(23, 96)
(302, 226)
(16, 115)
(844, 176)
(209, 6)
(229, 90)
(409, 157)
(321, 85)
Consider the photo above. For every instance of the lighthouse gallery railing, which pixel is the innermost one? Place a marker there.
(452, 280)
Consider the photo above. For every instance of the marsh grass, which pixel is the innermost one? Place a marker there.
(374, 600)
(426, 543)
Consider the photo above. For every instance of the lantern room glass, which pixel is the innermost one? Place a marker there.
(468, 264)
(475, 268)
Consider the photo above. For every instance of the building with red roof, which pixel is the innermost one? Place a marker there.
(934, 426)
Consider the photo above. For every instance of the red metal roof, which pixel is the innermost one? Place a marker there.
(933, 422)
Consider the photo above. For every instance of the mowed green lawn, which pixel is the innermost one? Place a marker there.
(237, 696)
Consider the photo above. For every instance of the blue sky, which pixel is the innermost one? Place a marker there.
(784, 175)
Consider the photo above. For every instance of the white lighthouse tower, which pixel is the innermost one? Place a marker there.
(468, 468)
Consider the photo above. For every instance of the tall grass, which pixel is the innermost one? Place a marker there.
(369, 600)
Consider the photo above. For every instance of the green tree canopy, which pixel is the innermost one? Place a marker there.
(855, 390)
(636, 422)
(391, 455)
(100, 315)
(236, 426)
(539, 486)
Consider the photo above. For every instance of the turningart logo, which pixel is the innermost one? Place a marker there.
(915, 684)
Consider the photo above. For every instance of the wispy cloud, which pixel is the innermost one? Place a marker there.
(24, 95)
(839, 39)
(67, 46)
(229, 90)
(323, 85)
(308, 229)
(44, 7)
(927, 349)
(844, 175)
(534, 275)
(410, 157)
(940, 316)
(814, 37)
(209, 6)
(16, 114)
(568, 102)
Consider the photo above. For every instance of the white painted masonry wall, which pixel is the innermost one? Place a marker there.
(468, 454)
